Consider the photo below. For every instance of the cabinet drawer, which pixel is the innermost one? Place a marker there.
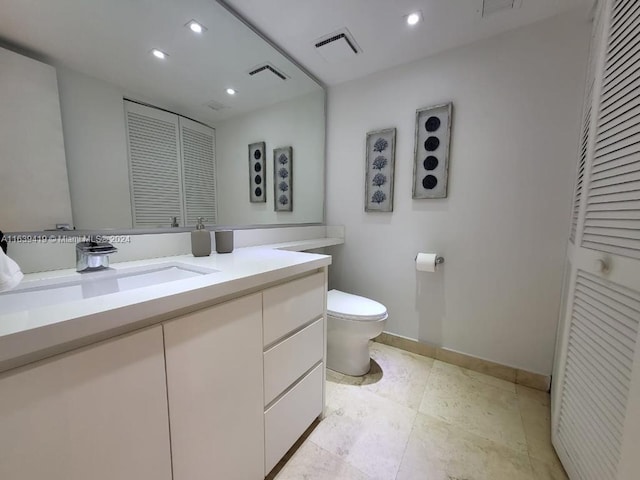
(287, 419)
(289, 306)
(287, 361)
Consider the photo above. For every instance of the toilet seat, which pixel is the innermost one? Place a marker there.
(347, 306)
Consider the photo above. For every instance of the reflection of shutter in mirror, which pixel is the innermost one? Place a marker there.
(153, 166)
(198, 164)
(171, 168)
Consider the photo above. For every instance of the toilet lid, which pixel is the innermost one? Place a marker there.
(353, 307)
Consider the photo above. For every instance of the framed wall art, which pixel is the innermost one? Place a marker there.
(380, 165)
(257, 172)
(283, 179)
(431, 152)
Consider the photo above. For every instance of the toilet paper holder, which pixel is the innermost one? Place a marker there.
(439, 259)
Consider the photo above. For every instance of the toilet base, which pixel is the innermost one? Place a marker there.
(348, 342)
(350, 358)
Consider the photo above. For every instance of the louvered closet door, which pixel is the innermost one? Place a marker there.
(585, 132)
(199, 172)
(596, 380)
(155, 172)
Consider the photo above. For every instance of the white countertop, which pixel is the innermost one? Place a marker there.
(29, 335)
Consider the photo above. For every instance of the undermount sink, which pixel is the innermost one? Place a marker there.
(42, 293)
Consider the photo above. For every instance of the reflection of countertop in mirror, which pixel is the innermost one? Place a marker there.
(30, 335)
(304, 245)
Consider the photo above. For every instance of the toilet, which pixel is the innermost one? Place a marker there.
(351, 322)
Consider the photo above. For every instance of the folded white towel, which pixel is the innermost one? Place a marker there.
(10, 274)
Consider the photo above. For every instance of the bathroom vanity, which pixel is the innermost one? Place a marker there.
(213, 376)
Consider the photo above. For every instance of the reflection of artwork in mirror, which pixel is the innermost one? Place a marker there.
(381, 152)
(431, 156)
(257, 190)
(283, 179)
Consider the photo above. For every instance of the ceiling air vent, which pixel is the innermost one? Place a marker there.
(337, 46)
(493, 6)
(217, 106)
(268, 69)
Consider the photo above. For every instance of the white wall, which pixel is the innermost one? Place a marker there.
(94, 135)
(298, 123)
(504, 225)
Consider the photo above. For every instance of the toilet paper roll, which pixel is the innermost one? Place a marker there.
(426, 262)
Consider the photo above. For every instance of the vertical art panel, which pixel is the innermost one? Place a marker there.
(283, 179)
(380, 158)
(431, 153)
(257, 171)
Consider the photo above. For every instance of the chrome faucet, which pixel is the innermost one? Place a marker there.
(92, 256)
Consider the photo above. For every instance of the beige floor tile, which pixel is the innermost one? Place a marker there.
(464, 374)
(480, 407)
(395, 374)
(471, 426)
(535, 411)
(367, 431)
(311, 462)
(532, 394)
(437, 450)
(546, 471)
(333, 376)
(427, 453)
(481, 459)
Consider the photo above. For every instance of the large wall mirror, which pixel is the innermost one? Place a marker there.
(104, 65)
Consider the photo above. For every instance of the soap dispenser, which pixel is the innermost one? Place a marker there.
(200, 240)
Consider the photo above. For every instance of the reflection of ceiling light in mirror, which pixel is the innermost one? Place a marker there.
(196, 27)
(231, 91)
(414, 18)
(159, 54)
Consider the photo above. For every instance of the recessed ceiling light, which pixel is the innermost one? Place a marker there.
(414, 18)
(159, 54)
(231, 91)
(196, 27)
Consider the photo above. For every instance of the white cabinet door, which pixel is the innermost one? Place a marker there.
(98, 413)
(214, 378)
(288, 418)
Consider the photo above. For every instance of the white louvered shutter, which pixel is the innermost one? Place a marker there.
(154, 166)
(612, 220)
(587, 108)
(199, 174)
(596, 382)
(601, 347)
(584, 141)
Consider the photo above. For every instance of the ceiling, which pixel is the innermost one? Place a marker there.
(112, 40)
(380, 30)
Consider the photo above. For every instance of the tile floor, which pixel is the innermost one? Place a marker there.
(415, 418)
